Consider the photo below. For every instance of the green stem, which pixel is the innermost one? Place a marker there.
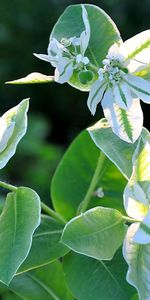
(128, 219)
(85, 203)
(47, 209)
(53, 213)
(8, 186)
(93, 67)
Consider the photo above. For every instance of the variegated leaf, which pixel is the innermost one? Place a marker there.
(126, 124)
(137, 257)
(33, 78)
(141, 167)
(15, 123)
(133, 203)
(142, 236)
(137, 50)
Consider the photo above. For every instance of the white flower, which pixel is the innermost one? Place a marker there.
(69, 53)
(118, 87)
(116, 77)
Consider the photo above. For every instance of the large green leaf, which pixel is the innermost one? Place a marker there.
(47, 283)
(18, 221)
(10, 296)
(98, 233)
(117, 150)
(138, 259)
(46, 245)
(73, 178)
(16, 117)
(103, 34)
(90, 279)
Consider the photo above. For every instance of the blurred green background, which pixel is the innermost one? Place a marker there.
(57, 112)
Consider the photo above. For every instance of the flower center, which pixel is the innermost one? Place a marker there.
(112, 72)
(72, 51)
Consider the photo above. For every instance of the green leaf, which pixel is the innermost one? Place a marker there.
(103, 34)
(16, 116)
(98, 233)
(33, 78)
(135, 297)
(10, 296)
(47, 283)
(137, 257)
(46, 245)
(18, 221)
(118, 151)
(73, 177)
(90, 279)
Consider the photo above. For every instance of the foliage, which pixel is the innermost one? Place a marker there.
(102, 183)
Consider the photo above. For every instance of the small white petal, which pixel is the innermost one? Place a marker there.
(85, 35)
(64, 70)
(142, 236)
(44, 57)
(85, 60)
(106, 62)
(95, 95)
(139, 86)
(54, 47)
(115, 53)
(122, 95)
(79, 58)
(75, 41)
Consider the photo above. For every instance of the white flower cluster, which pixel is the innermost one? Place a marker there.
(118, 82)
(118, 88)
(68, 54)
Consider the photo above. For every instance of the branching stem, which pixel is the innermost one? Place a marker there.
(7, 186)
(53, 213)
(45, 208)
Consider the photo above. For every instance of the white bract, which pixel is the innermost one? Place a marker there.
(68, 54)
(13, 126)
(118, 87)
(137, 192)
(6, 131)
(136, 246)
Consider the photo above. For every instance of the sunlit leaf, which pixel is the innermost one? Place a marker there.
(97, 233)
(33, 78)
